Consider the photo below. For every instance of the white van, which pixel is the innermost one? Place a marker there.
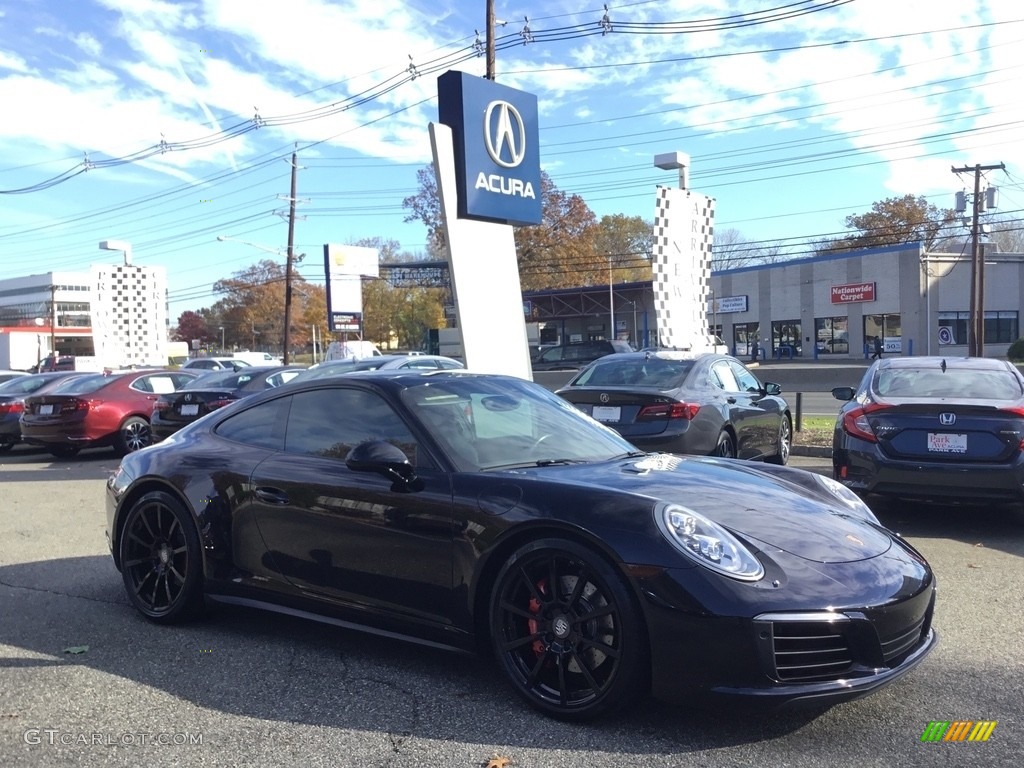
(342, 350)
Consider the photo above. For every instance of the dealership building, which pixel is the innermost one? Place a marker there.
(829, 307)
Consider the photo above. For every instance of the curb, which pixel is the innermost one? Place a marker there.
(819, 451)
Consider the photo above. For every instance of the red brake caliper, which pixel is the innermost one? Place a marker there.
(534, 608)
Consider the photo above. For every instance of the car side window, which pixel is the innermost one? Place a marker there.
(331, 422)
(747, 381)
(553, 355)
(723, 377)
(259, 426)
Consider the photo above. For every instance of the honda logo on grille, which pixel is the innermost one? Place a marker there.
(947, 419)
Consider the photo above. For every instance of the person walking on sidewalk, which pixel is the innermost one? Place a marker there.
(877, 347)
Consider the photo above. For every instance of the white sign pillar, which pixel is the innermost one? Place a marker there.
(484, 274)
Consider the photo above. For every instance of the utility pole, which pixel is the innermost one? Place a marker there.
(53, 324)
(490, 39)
(976, 324)
(288, 262)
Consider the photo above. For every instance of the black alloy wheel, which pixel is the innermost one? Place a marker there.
(726, 447)
(567, 631)
(785, 443)
(6, 443)
(134, 434)
(160, 559)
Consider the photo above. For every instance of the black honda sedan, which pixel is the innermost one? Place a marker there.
(475, 511)
(683, 402)
(938, 428)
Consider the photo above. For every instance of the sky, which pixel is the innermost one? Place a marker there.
(169, 123)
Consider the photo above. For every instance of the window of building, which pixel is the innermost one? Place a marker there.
(786, 335)
(743, 337)
(832, 336)
(886, 327)
(1001, 327)
(958, 324)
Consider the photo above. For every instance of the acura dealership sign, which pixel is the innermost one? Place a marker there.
(497, 159)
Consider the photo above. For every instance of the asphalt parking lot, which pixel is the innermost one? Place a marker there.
(84, 680)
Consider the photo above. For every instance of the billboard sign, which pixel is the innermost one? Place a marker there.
(497, 156)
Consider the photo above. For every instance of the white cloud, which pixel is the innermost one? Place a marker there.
(89, 44)
(12, 62)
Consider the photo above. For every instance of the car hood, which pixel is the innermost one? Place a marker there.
(768, 506)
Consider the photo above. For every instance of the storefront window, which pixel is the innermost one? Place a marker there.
(786, 338)
(743, 337)
(1000, 327)
(888, 327)
(832, 335)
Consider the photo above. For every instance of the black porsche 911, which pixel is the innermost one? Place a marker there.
(481, 512)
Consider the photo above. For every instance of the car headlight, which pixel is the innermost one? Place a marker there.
(706, 542)
(850, 500)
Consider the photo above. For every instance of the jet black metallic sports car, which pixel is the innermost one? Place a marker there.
(483, 512)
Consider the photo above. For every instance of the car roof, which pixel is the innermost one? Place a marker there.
(971, 363)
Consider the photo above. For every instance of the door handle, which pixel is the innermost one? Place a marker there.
(270, 495)
(731, 400)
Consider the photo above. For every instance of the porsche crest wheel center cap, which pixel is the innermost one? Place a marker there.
(561, 627)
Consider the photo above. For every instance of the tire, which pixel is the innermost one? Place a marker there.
(7, 443)
(575, 654)
(785, 443)
(726, 447)
(160, 559)
(135, 433)
(64, 451)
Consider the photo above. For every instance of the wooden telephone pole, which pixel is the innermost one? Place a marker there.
(976, 323)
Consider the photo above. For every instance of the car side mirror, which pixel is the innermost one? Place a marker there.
(843, 393)
(771, 388)
(385, 459)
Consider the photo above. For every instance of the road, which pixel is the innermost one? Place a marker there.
(264, 690)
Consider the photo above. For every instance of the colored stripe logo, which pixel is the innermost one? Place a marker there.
(958, 730)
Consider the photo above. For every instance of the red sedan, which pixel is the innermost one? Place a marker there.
(98, 409)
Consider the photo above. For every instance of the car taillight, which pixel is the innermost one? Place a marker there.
(161, 406)
(16, 407)
(856, 422)
(215, 404)
(81, 405)
(668, 410)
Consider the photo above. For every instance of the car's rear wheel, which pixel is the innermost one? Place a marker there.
(64, 451)
(567, 631)
(726, 447)
(135, 433)
(160, 559)
(785, 443)
(6, 443)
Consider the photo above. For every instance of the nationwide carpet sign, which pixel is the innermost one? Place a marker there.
(853, 292)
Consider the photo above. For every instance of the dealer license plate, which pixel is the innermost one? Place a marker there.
(190, 409)
(607, 413)
(947, 443)
(46, 410)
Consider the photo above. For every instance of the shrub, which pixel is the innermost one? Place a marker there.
(1016, 350)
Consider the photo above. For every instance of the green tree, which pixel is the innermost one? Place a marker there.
(628, 241)
(425, 206)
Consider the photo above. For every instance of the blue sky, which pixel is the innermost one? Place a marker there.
(795, 115)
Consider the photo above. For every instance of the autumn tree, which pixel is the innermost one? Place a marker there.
(425, 206)
(628, 242)
(730, 250)
(898, 221)
(191, 325)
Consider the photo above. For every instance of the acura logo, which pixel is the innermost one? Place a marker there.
(947, 419)
(504, 129)
(604, 397)
(188, 398)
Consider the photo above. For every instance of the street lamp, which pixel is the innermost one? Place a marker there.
(287, 287)
(126, 249)
(222, 340)
(671, 161)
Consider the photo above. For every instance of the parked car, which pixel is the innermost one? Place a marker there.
(12, 402)
(215, 364)
(537, 349)
(684, 402)
(386, 362)
(6, 375)
(211, 391)
(571, 357)
(938, 428)
(479, 511)
(257, 358)
(98, 409)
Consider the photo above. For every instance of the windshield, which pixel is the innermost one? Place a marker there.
(491, 423)
(656, 372)
(961, 383)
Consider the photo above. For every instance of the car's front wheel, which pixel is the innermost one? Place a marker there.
(567, 631)
(726, 447)
(135, 433)
(785, 443)
(160, 559)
